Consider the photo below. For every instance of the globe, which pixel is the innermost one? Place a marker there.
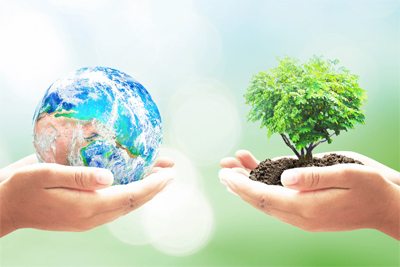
(99, 117)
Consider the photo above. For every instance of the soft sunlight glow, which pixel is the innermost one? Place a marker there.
(31, 52)
(374, 8)
(206, 126)
(180, 221)
(129, 228)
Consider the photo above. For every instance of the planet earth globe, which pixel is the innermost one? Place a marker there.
(99, 117)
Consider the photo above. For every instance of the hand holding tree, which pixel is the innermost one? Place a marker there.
(336, 198)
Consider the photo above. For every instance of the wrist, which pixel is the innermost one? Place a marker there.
(6, 223)
(390, 223)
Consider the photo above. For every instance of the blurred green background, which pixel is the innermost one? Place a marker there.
(196, 59)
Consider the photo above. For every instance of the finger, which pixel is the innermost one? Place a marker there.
(155, 169)
(230, 190)
(10, 169)
(292, 218)
(247, 159)
(241, 171)
(231, 163)
(108, 216)
(387, 172)
(29, 160)
(134, 195)
(263, 197)
(313, 178)
(51, 175)
(164, 162)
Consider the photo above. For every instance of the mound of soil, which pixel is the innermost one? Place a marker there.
(270, 171)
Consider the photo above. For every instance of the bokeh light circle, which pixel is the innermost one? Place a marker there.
(129, 228)
(336, 46)
(179, 221)
(32, 52)
(186, 172)
(206, 127)
(132, 229)
(165, 37)
(136, 55)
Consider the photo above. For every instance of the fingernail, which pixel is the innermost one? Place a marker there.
(223, 182)
(289, 177)
(104, 176)
(231, 191)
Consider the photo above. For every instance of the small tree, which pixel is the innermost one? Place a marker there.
(306, 103)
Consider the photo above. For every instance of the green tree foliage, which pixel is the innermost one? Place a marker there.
(306, 103)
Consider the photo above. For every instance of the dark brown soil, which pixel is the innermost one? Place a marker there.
(270, 171)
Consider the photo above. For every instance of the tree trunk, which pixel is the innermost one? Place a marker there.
(307, 156)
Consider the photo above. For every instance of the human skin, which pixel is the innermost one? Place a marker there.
(343, 197)
(54, 197)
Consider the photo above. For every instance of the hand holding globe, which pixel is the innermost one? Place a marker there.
(54, 197)
(105, 127)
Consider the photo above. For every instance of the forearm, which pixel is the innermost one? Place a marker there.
(6, 223)
(390, 223)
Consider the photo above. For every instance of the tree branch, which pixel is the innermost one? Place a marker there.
(287, 142)
(320, 142)
(309, 148)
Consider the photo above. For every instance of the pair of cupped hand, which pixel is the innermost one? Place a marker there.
(54, 197)
(342, 197)
(337, 198)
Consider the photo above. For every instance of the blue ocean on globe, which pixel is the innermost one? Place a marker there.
(99, 117)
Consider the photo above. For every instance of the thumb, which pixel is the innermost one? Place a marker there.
(147, 188)
(84, 178)
(314, 178)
